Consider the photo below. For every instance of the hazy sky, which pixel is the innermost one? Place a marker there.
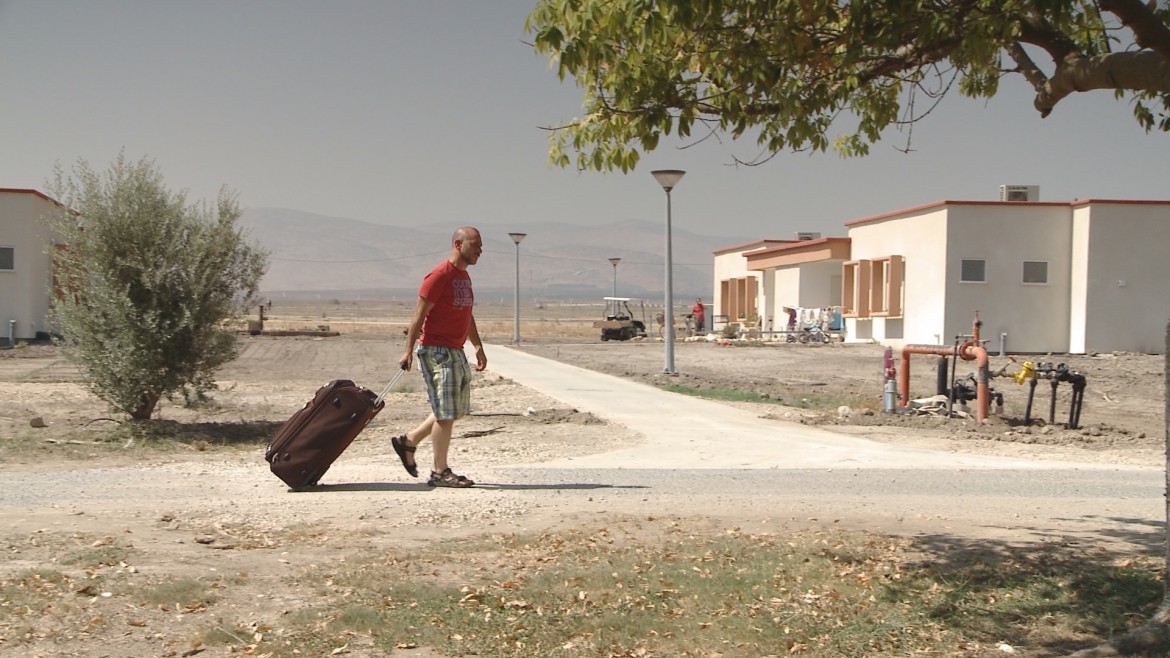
(429, 112)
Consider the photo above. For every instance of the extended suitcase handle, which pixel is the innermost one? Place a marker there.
(386, 390)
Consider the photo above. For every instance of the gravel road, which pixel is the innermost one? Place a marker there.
(505, 446)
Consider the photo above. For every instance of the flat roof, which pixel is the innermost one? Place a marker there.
(945, 203)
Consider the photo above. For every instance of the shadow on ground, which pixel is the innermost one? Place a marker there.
(1097, 589)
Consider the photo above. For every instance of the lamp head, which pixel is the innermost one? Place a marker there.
(668, 178)
(615, 261)
(517, 237)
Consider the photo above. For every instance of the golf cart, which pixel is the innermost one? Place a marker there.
(619, 322)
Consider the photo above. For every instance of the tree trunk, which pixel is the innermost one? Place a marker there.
(1153, 637)
(145, 407)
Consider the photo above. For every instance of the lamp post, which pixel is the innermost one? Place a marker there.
(516, 237)
(668, 178)
(614, 262)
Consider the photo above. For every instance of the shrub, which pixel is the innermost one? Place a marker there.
(144, 282)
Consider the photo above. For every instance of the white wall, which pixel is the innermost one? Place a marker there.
(920, 237)
(788, 293)
(767, 301)
(732, 265)
(816, 284)
(1127, 298)
(24, 292)
(1034, 316)
(806, 285)
(1078, 279)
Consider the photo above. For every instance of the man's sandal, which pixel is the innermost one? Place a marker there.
(403, 449)
(449, 479)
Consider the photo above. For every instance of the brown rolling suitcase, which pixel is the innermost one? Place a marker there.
(313, 438)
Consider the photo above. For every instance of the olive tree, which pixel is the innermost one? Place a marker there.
(144, 281)
(787, 72)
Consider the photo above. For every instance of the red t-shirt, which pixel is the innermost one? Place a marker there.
(449, 289)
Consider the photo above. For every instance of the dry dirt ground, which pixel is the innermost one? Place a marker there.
(121, 519)
(839, 385)
(117, 520)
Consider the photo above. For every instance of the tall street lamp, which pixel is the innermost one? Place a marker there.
(614, 262)
(668, 178)
(516, 237)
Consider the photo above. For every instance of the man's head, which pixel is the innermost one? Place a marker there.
(466, 246)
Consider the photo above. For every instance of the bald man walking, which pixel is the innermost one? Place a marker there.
(442, 323)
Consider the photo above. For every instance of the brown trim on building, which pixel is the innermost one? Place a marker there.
(806, 251)
(761, 244)
(14, 190)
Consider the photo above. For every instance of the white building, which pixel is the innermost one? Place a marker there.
(738, 293)
(799, 274)
(26, 267)
(1085, 276)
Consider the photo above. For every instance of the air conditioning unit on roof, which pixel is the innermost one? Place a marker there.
(1019, 192)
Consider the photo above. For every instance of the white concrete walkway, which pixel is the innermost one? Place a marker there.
(679, 431)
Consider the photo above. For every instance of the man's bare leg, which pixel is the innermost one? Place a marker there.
(412, 439)
(416, 436)
(440, 432)
(441, 437)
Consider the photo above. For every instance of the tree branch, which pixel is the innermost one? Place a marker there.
(1027, 67)
(1138, 71)
(1040, 33)
(1149, 31)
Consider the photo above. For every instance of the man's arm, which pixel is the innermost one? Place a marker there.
(480, 355)
(421, 308)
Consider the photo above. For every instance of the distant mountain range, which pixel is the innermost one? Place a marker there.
(340, 257)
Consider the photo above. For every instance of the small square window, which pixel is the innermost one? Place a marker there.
(973, 271)
(7, 258)
(1035, 271)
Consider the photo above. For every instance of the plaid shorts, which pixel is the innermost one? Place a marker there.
(448, 378)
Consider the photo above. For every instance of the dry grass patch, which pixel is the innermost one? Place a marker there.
(660, 587)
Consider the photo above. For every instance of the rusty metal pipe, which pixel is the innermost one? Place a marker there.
(969, 351)
(904, 365)
(982, 381)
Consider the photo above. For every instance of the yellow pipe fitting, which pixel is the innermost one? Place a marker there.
(1027, 371)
